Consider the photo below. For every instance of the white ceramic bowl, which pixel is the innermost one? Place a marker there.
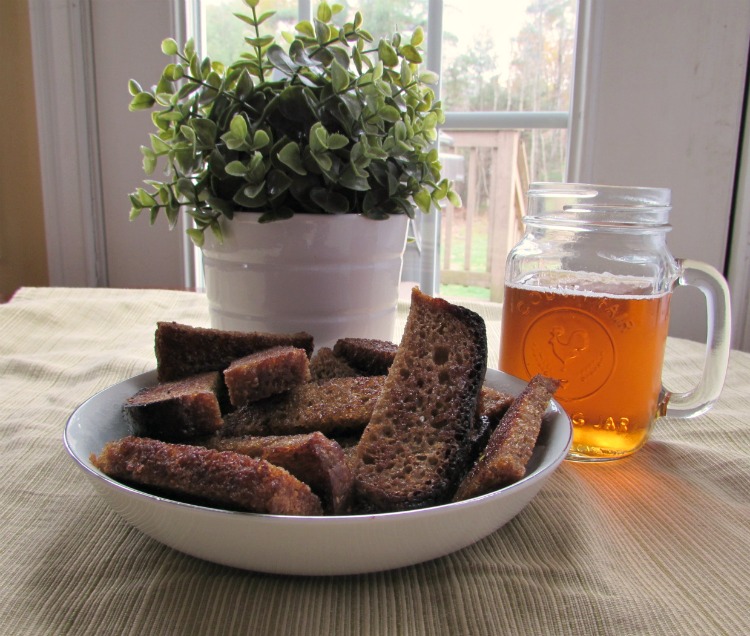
(308, 545)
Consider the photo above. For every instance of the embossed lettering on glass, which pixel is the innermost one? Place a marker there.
(587, 295)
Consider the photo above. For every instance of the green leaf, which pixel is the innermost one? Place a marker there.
(244, 85)
(339, 77)
(189, 50)
(146, 199)
(265, 16)
(142, 101)
(158, 145)
(278, 183)
(417, 37)
(256, 171)
(454, 198)
(318, 137)
(390, 113)
(332, 202)
(289, 155)
(411, 53)
(430, 121)
(323, 159)
(254, 189)
(306, 28)
(232, 141)
(387, 54)
(188, 133)
(280, 60)
(423, 199)
(322, 32)
(406, 74)
(428, 77)
(324, 12)
(352, 181)
(196, 236)
(337, 141)
(185, 90)
(238, 127)
(149, 160)
(134, 87)
(261, 41)
(260, 139)
(205, 130)
(186, 190)
(236, 169)
(173, 72)
(169, 47)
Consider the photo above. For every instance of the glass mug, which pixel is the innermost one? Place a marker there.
(587, 294)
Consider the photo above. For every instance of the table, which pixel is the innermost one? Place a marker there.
(655, 544)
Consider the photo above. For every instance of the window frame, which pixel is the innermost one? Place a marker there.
(71, 156)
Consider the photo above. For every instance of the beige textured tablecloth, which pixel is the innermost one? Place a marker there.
(655, 544)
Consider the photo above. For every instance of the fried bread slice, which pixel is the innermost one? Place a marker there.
(491, 407)
(337, 406)
(312, 458)
(511, 444)
(418, 441)
(266, 373)
(368, 355)
(220, 478)
(182, 350)
(177, 411)
(326, 365)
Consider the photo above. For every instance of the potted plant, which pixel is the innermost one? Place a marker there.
(329, 128)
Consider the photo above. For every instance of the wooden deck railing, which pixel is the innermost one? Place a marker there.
(495, 180)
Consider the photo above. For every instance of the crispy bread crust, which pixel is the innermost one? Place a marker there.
(511, 444)
(337, 406)
(176, 411)
(266, 373)
(312, 458)
(419, 437)
(182, 350)
(367, 355)
(221, 478)
(326, 365)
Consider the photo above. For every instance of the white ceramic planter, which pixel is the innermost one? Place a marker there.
(332, 276)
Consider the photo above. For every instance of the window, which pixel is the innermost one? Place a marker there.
(90, 155)
(506, 71)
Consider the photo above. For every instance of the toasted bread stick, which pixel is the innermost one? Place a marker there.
(266, 373)
(341, 405)
(183, 350)
(176, 411)
(511, 444)
(419, 438)
(220, 478)
(312, 458)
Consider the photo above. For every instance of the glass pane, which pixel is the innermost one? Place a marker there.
(492, 170)
(383, 18)
(224, 33)
(508, 56)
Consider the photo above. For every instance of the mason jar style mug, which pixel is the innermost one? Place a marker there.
(587, 297)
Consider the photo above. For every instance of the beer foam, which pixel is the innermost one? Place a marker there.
(598, 285)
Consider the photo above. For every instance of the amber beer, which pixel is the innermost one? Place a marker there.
(606, 346)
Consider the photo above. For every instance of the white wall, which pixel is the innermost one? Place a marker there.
(85, 51)
(126, 45)
(659, 103)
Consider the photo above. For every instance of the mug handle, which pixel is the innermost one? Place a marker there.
(714, 287)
